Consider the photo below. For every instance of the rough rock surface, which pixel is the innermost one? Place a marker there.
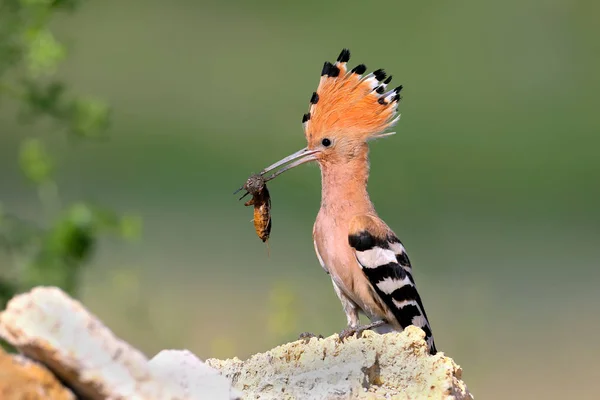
(21, 378)
(198, 380)
(390, 366)
(48, 326)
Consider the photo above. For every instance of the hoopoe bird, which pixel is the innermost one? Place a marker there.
(368, 265)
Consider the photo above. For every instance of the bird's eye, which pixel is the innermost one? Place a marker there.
(326, 142)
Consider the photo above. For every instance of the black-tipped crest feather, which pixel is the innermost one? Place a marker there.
(344, 56)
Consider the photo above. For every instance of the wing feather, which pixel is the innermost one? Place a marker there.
(386, 265)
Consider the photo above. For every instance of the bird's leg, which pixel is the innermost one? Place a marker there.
(351, 310)
(350, 331)
(372, 325)
(347, 332)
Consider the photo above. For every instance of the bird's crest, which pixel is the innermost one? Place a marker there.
(351, 103)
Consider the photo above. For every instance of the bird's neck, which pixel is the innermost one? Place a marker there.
(344, 185)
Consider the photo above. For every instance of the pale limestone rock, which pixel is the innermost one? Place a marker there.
(48, 326)
(198, 380)
(21, 378)
(390, 366)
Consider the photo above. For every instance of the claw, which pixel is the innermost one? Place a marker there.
(350, 331)
(346, 333)
(360, 330)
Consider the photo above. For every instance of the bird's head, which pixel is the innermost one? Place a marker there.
(347, 110)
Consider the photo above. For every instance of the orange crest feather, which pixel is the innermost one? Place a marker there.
(351, 104)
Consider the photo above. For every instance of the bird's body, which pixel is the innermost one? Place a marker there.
(347, 212)
(344, 196)
(368, 265)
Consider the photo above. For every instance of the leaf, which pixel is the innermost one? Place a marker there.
(81, 215)
(68, 244)
(89, 117)
(43, 99)
(35, 162)
(44, 53)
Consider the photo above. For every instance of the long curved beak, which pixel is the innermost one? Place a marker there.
(298, 158)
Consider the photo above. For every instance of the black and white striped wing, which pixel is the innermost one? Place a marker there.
(386, 265)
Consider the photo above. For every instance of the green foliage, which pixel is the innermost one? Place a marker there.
(43, 52)
(51, 252)
(35, 162)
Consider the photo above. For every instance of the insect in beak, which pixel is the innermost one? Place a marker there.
(298, 158)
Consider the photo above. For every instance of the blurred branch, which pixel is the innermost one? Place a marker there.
(54, 250)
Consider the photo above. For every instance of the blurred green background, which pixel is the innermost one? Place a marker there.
(492, 182)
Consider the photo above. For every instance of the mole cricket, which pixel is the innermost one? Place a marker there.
(256, 186)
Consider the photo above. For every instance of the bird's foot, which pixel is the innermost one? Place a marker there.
(347, 332)
(306, 336)
(350, 331)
